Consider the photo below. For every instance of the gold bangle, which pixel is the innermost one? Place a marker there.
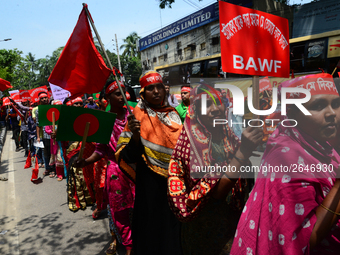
(330, 210)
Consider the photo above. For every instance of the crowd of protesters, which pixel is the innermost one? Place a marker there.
(148, 178)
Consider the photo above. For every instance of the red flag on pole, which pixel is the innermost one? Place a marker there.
(80, 68)
(5, 85)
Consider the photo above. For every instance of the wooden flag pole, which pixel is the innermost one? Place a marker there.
(256, 90)
(53, 125)
(106, 56)
(334, 70)
(86, 131)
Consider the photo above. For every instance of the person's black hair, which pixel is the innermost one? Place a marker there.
(67, 99)
(42, 92)
(186, 85)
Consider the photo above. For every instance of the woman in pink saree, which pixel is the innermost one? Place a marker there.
(295, 208)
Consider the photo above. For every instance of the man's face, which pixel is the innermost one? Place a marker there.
(185, 96)
(90, 100)
(25, 103)
(167, 89)
(44, 100)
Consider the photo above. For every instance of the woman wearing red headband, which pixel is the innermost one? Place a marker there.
(143, 152)
(120, 190)
(295, 209)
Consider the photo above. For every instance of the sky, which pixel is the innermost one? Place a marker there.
(40, 26)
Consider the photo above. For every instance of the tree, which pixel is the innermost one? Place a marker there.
(130, 45)
(8, 61)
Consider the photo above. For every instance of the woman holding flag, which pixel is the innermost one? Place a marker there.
(143, 153)
(119, 188)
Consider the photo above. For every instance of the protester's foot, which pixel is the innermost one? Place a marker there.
(3, 179)
(17, 149)
(112, 249)
(95, 214)
(42, 165)
(60, 178)
(52, 174)
(46, 173)
(26, 154)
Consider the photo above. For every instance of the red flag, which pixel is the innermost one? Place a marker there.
(16, 97)
(28, 161)
(80, 68)
(35, 170)
(5, 85)
(6, 101)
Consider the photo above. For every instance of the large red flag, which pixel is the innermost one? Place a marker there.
(80, 68)
(5, 85)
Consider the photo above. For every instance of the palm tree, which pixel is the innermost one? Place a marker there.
(130, 45)
(31, 59)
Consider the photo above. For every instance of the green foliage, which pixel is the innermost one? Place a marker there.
(8, 61)
(129, 45)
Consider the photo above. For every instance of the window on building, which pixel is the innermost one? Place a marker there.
(202, 46)
(154, 60)
(179, 45)
(165, 57)
(179, 52)
(212, 68)
(215, 40)
(297, 57)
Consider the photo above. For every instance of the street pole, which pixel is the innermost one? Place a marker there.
(120, 68)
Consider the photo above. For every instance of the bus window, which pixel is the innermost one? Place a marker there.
(315, 52)
(212, 68)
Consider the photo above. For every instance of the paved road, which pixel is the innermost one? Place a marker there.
(35, 219)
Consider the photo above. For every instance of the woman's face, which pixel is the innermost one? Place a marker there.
(154, 94)
(324, 120)
(214, 111)
(116, 98)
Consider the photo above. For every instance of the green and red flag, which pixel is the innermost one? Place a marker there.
(46, 112)
(73, 120)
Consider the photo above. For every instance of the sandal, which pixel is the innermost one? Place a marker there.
(52, 175)
(46, 173)
(60, 179)
(112, 249)
(3, 179)
(95, 214)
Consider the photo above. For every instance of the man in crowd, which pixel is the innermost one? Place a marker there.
(91, 104)
(172, 100)
(41, 134)
(183, 107)
(15, 126)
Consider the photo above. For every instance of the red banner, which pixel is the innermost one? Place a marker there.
(265, 84)
(253, 42)
(34, 93)
(24, 95)
(16, 97)
(6, 101)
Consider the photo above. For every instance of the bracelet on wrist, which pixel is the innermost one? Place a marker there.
(329, 210)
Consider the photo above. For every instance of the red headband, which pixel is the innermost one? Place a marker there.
(186, 89)
(57, 102)
(69, 103)
(113, 86)
(90, 98)
(43, 95)
(317, 84)
(77, 100)
(149, 78)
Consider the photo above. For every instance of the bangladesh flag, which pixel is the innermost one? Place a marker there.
(46, 112)
(73, 120)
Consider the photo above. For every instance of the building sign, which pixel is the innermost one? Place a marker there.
(253, 42)
(333, 47)
(195, 20)
(316, 18)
